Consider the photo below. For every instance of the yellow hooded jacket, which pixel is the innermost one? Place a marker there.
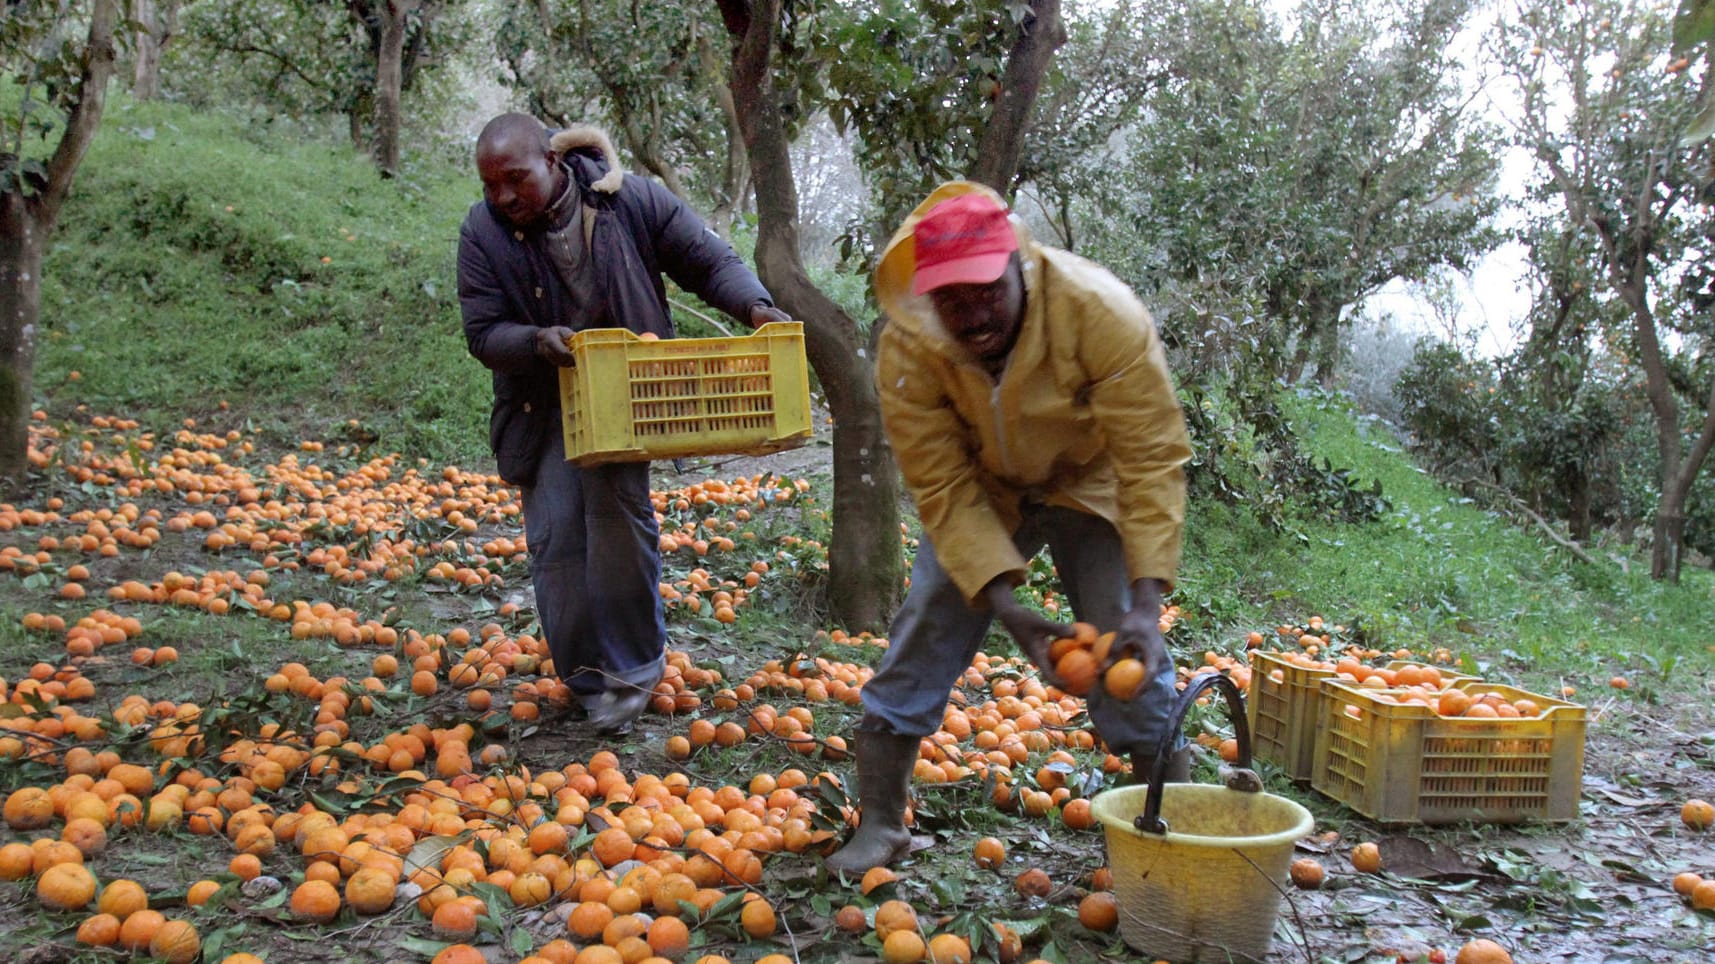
(1083, 416)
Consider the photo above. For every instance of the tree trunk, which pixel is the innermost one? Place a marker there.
(1026, 65)
(146, 80)
(389, 79)
(1327, 350)
(643, 148)
(1578, 511)
(25, 223)
(864, 559)
(20, 306)
(1670, 521)
(1300, 355)
(1668, 532)
(1670, 512)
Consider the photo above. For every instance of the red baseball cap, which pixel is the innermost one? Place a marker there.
(963, 240)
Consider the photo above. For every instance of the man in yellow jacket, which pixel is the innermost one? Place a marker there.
(1026, 395)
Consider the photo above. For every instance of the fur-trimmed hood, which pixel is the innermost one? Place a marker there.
(592, 140)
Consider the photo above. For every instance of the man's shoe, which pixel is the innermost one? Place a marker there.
(615, 711)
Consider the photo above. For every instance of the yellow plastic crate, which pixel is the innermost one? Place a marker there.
(631, 400)
(1286, 714)
(1407, 764)
(1282, 713)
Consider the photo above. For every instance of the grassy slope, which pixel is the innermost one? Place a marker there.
(1440, 571)
(189, 269)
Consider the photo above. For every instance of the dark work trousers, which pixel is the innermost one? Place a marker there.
(595, 562)
(936, 634)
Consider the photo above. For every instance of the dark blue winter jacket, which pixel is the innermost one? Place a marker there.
(508, 288)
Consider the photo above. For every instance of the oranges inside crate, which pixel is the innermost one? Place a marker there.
(1284, 702)
(627, 399)
(1391, 754)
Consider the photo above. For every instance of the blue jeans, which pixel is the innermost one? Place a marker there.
(595, 563)
(935, 635)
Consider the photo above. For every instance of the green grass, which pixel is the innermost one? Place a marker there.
(200, 259)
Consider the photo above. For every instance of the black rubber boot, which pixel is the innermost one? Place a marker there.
(1178, 766)
(884, 764)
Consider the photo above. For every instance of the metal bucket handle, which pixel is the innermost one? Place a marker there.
(1149, 821)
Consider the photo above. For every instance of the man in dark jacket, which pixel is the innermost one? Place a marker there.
(564, 241)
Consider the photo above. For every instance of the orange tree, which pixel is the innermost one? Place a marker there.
(59, 66)
(1611, 118)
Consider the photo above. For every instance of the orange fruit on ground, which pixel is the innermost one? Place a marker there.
(15, 861)
(1099, 911)
(621, 927)
(370, 890)
(669, 937)
(949, 949)
(558, 951)
(894, 915)
(1620, 683)
(1698, 814)
(199, 892)
(547, 837)
(990, 853)
(65, 887)
(1483, 951)
(1366, 858)
(613, 845)
(46, 852)
(876, 877)
(459, 954)
(588, 919)
(245, 866)
(454, 920)
(903, 947)
(1033, 883)
(1307, 873)
(1124, 679)
(1703, 896)
(99, 930)
(176, 942)
(28, 808)
(121, 898)
(139, 929)
(850, 919)
(137, 780)
(1076, 814)
(1684, 883)
(315, 900)
(757, 918)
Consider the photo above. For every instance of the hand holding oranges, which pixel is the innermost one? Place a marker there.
(1089, 655)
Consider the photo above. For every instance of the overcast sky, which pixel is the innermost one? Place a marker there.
(1492, 299)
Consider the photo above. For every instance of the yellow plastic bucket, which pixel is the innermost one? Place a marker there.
(1209, 889)
(1199, 877)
